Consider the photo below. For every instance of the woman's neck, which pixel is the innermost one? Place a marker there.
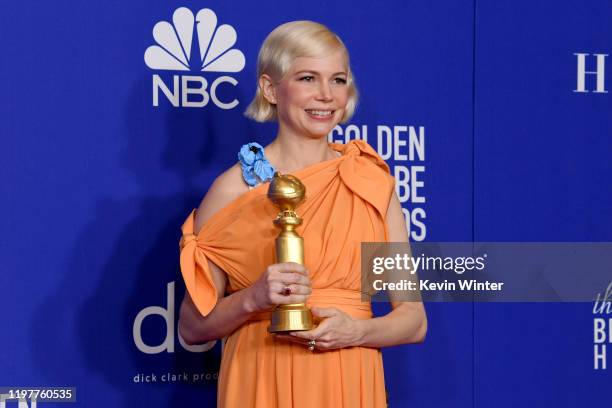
(290, 154)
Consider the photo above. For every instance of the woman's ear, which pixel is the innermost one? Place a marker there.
(267, 88)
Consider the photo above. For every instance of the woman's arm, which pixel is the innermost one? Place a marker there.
(233, 310)
(407, 322)
(230, 311)
(227, 315)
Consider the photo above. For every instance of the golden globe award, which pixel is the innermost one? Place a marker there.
(287, 192)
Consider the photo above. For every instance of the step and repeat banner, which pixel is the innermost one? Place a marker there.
(117, 116)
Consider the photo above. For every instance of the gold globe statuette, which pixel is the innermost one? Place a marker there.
(287, 192)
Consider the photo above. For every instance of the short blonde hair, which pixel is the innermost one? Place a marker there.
(281, 47)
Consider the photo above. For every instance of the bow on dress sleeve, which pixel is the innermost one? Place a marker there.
(195, 268)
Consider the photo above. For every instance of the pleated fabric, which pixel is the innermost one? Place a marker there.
(346, 203)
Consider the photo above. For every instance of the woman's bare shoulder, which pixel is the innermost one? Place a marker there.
(228, 186)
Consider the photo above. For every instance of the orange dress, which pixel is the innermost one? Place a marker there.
(346, 203)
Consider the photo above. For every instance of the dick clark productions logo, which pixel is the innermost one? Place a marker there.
(176, 51)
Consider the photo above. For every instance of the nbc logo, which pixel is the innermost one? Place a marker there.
(175, 51)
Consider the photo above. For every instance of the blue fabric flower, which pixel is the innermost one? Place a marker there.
(255, 167)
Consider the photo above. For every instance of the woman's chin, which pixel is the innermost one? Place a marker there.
(317, 135)
(320, 132)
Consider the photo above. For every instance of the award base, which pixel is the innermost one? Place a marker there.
(291, 317)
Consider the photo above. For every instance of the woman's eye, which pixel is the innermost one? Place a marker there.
(310, 78)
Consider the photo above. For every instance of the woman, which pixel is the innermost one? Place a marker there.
(227, 249)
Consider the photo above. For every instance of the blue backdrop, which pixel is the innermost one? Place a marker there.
(493, 129)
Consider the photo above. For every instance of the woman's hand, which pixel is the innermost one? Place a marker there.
(271, 287)
(337, 330)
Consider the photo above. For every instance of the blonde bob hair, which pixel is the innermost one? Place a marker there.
(278, 51)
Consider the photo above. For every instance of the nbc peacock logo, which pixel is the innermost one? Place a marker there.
(176, 50)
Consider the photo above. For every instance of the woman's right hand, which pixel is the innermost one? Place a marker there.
(267, 291)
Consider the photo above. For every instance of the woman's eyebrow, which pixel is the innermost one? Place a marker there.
(318, 73)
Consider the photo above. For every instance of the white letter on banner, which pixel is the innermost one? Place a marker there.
(398, 142)
(336, 130)
(194, 91)
(415, 183)
(213, 92)
(581, 73)
(384, 141)
(173, 96)
(352, 132)
(417, 143)
(599, 330)
(167, 314)
(599, 355)
(402, 178)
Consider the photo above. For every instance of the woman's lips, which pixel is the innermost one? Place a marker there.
(322, 115)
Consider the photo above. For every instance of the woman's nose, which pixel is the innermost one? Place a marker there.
(324, 91)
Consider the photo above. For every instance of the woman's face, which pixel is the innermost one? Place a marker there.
(311, 98)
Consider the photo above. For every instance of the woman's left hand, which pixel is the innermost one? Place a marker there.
(336, 330)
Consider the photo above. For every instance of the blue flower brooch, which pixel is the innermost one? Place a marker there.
(255, 167)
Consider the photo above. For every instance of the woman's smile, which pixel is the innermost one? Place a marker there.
(312, 97)
(323, 115)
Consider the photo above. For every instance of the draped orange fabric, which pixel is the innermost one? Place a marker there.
(346, 203)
